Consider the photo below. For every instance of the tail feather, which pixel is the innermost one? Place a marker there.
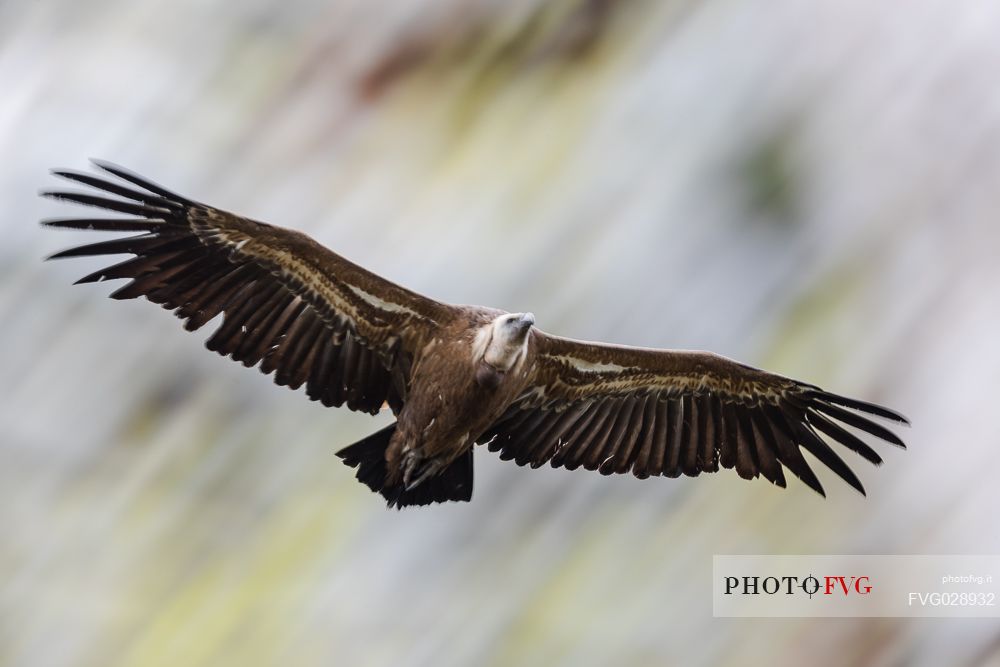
(368, 456)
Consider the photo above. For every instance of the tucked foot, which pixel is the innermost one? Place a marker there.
(417, 468)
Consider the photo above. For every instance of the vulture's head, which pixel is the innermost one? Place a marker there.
(508, 340)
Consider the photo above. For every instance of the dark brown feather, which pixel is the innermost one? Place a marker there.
(131, 245)
(593, 436)
(632, 443)
(552, 440)
(611, 438)
(652, 444)
(506, 428)
(568, 443)
(729, 443)
(858, 422)
(109, 224)
(227, 337)
(764, 458)
(120, 190)
(767, 449)
(815, 445)
(280, 358)
(508, 439)
(179, 292)
(110, 204)
(358, 382)
(523, 437)
(338, 379)
(670, 464)
(295, 366)
(279, 310)
(849, 440)
(253, 345)
(788, 450)
(855, 404)
(322, 368)
(708, 445)
(204, 308)
(689, 442)
(148, 282)
(746, 465)
(143, 183)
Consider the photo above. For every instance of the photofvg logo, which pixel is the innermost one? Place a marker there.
(807, 585)
(792, 586)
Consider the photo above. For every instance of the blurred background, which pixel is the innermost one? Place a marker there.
(808, 187)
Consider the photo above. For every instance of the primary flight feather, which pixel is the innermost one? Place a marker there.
(455, 376)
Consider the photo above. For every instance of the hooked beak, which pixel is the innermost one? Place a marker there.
(527, 319)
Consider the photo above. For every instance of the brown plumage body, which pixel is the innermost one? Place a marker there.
(456, 376)
(454, 397)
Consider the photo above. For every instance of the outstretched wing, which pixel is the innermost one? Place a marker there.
(288, 304)
(658, 412)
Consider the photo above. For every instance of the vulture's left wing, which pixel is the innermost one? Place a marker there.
(287, 303)
(661, 412)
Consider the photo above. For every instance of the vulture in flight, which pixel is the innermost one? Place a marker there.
(455, 376)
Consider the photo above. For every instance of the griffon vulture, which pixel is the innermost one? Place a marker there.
(455, 376)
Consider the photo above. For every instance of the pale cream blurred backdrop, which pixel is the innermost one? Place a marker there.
(812, 187)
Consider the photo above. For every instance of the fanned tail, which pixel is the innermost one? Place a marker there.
(368, 456)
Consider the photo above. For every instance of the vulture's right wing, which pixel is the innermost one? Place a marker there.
(299, 310)
(621, 409)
